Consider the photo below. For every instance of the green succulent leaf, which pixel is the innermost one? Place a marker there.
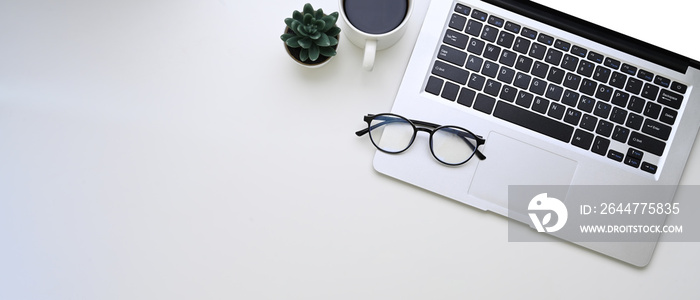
(314, 52)
(304, 55)
(296, 15)
(323, 41)
(330, 21)
(293, 42)
(320, 25)
(305, 42)
(315, 35)
(319, 14)
(327, 51)
(333, 31)
(287, 36)
(308, 18)
(288, 21)
(308, 9)
(333, 41)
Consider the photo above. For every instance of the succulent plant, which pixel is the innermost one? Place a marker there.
(312, 31)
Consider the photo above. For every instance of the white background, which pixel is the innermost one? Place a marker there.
(154, 149)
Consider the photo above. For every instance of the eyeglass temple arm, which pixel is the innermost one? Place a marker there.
(480, 139)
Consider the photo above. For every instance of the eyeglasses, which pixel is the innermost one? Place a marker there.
(450, 145)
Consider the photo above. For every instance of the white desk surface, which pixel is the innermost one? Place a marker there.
(156, 149)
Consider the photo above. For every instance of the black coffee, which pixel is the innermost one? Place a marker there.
(375, 16)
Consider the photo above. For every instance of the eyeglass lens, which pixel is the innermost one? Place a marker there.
(391, 134)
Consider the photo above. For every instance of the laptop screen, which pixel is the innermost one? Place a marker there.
(667, 24)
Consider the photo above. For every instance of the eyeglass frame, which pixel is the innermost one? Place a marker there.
(431, 129)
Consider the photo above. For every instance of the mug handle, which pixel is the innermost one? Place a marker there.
(370, 53)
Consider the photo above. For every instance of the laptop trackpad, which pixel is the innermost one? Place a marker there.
(512, 162)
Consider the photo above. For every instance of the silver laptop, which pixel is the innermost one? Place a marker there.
(559, 101)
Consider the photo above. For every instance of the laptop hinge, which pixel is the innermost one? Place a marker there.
(598, 34)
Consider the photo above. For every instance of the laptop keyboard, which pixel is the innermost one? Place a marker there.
(556, 88)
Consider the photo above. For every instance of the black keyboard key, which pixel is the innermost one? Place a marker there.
(556, 110)
(650, 91)
(490, 69)
(538, 86)
(462, 9)
(572, 81)
(492, 87)
(649, 167)
(679, 87)
(616, 156)
(506, 75)
(545, 39)
(553, 56)
(450, 91)
(576, 50)
(572, 116)
(646, 75)
(533, 121)
(602, 109)
(521, 45)
(484, 103)
(656, 129)
(479, 15)
(569, 63)
(492, 52)
(505, 39)
(620, 98)
(455, 39)
(636, 104)
(662, 81)
(529, 33)
(602, 74)
(450, 72)
(570, 98)
(588, 122)
(538, 50)
(556, 75)
(595, 57)
(540, 69)
(496, 21)
(618, 115)
(554, 92)
(646, 143)
(508, 93)
(466, 97)
(604, 92)
(629, 70)
(582, 139)
(474, 63)
(434, 85)
(600, 146)
(452, 55)
(562, 45)
(476, 82)
(634, 121)
(508, 58)
(540, 105)
(512, 27)
(621, 134)
(652, 110)
(633, 86)
(524, 99)
(668, 116)
(632, 162)
(524, 63)
(585, 68)
(586, 104)
(522, 80)
(612, 63)
(457, 22)
(618, 80)
(489, 33)
(476, 46)
(474, 28)
(670, 98)
(604, 128)
(588, 87)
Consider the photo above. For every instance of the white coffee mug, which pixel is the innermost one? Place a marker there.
(373, 42)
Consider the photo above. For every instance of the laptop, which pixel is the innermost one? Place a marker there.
(559, 101)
